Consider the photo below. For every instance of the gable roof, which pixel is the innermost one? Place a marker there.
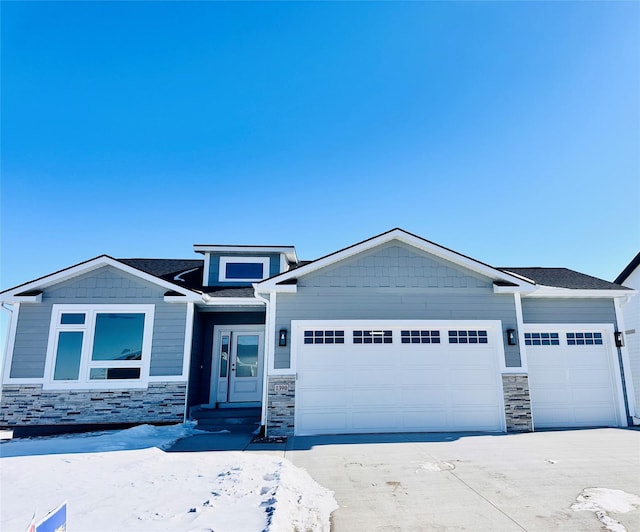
(565, 278)
(93, 264)
(504, 278)
(635, 262)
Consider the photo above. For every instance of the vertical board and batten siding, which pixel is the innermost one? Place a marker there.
(562, 310)
(214, 267)
(395, 282)
(105, 285)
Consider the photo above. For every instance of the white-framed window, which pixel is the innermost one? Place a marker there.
(99, 346)
(243, 269)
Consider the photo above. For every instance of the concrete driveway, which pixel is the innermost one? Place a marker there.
(411, 482)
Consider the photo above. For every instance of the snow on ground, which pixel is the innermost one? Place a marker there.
(601, 501)
(124, 481)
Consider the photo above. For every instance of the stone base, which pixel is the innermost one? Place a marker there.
(281, 405)
(517, 403)
(29, 404)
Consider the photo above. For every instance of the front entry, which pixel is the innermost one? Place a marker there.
(237, 369)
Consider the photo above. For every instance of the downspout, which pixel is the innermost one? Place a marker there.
(625, 367)
(267, 351)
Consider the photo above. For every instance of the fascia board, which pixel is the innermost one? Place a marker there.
(402, 236)
(513, 289)
(232, 301)
(553, 291)
(86, 267)
(288, 251)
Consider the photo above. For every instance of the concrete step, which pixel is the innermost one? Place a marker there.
(234, 420)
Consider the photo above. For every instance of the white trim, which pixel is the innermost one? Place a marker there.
(188, 339)
(402, 236)
(284, 266)
(520, 326)
(553, 291)
(626, 362)
(222, 275)
(232, 301)
(607, 329)
(28, 299)
(79, 269)
(10, 345)
(206, 272)
(288, 251)
(88, 328)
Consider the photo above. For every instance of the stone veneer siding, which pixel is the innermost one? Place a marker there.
(281, 406)
(517, 403)
(29, 404)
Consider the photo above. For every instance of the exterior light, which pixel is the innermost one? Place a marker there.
(511, 337)
(282, 338)
(619, 338)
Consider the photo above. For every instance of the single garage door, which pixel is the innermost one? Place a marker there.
(398, 377)
(571, 377)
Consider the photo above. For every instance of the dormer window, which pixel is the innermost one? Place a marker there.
(243, 269)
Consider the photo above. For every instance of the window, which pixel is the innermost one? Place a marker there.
(420, 337)
(372, 337)
(99, 345)
(584, 338)
(468, 337)
(324, 337)
(243, 269)
(541, 338)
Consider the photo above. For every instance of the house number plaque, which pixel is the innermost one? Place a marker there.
(281, 387)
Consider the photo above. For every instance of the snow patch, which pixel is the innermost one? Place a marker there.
(440, 466)
(604, 500)
(111, 483)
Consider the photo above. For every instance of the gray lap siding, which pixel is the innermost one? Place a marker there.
(565, 310)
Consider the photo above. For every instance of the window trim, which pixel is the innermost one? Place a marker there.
(222, 268)
(88, 329)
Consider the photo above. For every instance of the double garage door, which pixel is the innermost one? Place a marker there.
(398, 377)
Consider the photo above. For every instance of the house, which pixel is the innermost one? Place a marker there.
(392, 334)
(630, 310)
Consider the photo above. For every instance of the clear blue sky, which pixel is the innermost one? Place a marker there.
(509, 132)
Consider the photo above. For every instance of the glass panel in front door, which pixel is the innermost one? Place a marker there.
(224, 356)
(247, 356)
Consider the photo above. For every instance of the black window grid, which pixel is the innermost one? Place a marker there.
(324, 337)
(541, 338)
(468, 337)
(584, 338)
(372, 337)
(419, 337)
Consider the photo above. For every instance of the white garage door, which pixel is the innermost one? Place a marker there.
(571, 377)
(397, 377)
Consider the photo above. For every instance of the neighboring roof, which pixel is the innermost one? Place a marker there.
(635, 262)
(564, 278)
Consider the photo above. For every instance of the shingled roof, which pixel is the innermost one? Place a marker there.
(564, 278)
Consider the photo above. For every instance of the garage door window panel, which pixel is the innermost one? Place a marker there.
(468, 337)
(584, 338)
(542, 338)
(373, 337)
(324, 337)
(419, 337)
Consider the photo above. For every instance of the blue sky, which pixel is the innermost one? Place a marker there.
(507, 131)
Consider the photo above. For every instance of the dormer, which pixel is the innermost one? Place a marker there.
(244, 265)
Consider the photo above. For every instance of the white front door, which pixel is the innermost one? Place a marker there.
(238, 354)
